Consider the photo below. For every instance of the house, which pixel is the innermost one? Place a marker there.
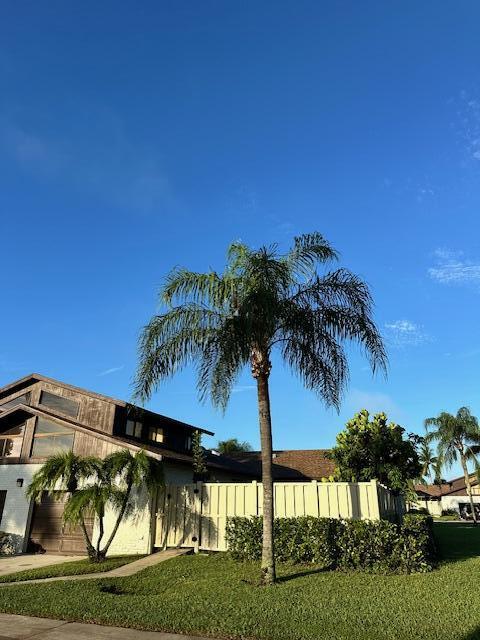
(449, 495)
(40, 416)
(291, 465)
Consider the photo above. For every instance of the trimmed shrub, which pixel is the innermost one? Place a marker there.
(366, 545)
(376, 546)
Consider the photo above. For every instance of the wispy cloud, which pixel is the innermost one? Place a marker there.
(107, 372)
(452, 268)
(467, 124)
(30, 150)
(240, 388)
(405, 333)
(374, 402)
(100, 158)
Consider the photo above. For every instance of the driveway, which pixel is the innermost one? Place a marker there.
(45, 629)
(11, 564)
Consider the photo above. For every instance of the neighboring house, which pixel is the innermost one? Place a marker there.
(298, 465)
(448, 495)
(40, 416)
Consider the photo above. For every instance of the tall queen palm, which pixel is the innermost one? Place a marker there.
(263, 301)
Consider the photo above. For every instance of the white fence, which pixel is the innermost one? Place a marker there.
(195, 515)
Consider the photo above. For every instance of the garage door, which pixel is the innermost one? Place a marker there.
(48, 530)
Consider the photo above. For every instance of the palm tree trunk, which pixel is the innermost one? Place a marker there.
(101, 529)
(88, 544)
(468, 486)
(265, 420)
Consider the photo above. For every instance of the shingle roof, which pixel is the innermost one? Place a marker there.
(454, 487)
(292, 464)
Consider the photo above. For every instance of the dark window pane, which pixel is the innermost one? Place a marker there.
(130, 428)
(57, 403)
(17, 430)
(48, 426)
(50, 438)
(49, 445)
(23, 399)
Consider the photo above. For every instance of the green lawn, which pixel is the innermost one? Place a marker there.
(76, 568)
(212, 595)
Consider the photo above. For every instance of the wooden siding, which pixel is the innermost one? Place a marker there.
(91, 445)
(93, 412)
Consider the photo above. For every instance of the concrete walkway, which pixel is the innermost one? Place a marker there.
(126, 570)
(12, 564)
(45, 629)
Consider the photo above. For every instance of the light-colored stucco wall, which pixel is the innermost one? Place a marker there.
(452, 502)
(17, 509)
(434, 507)
(134, 535)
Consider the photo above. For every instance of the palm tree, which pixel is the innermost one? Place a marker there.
(458, 438)
(95, 485)
(233, 445)
(264, 300)
(64, 472)
(427, 461)
(111, 487)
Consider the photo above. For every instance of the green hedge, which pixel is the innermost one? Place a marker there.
(377, 546)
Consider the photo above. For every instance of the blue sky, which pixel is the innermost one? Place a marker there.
(139, 136)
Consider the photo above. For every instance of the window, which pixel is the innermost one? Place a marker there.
(3, 496)
(50, 438)
(11, 442)
(23, 399)
(58, 403)
(155, 434)
(134, 428)
(188, 442)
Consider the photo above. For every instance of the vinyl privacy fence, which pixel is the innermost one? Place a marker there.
(195, 515)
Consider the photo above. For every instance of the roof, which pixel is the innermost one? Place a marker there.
(456, 486)
(292, 464)
(38, 377)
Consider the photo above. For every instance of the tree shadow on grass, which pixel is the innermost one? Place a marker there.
(474, 635)
(302, 574)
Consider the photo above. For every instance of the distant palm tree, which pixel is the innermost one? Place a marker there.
(263, 301)
(428, 462)
(64, 472)
(458, 438)
(233, 445)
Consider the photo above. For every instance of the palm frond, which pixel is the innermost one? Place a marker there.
(308, 250)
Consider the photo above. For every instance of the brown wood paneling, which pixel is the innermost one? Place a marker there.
(50, 533)
(94, 412)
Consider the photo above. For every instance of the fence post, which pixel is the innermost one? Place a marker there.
(255, 496)
(315, 495)
(376, 511)
(197, 516)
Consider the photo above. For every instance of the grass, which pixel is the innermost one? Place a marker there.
(214, 596)
(79, 567)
